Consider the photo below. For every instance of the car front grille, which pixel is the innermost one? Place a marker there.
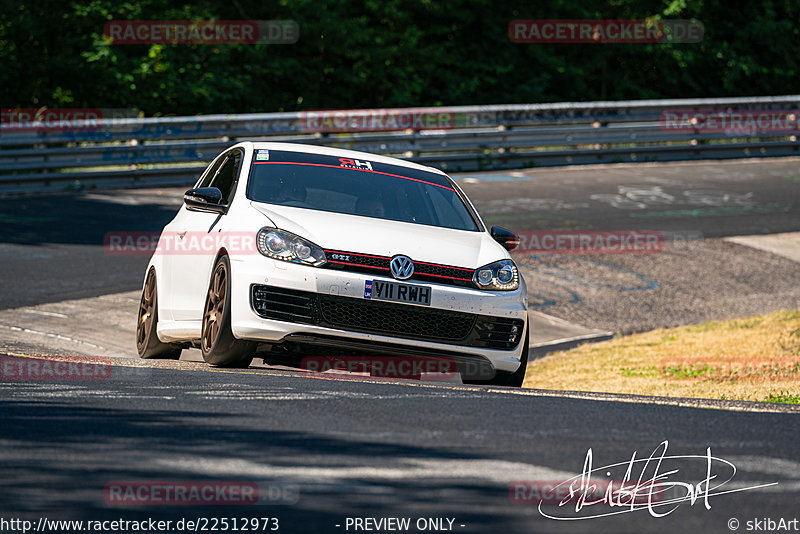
(395, 319)
(428, 272)
(389, 319)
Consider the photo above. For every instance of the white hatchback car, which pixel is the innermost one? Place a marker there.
(285, 249)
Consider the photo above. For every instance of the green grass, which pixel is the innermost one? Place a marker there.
(783, 398)
(686, 371)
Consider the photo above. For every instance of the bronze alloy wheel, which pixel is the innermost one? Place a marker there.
(215, 306)
(147, 343)
(217, 343)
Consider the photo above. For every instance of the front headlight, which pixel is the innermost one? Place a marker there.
(498, 276)
(285, 246)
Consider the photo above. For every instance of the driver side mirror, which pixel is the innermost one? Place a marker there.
(204, 199)
(507, 238)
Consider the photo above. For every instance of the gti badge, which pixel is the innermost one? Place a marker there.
(401, 267)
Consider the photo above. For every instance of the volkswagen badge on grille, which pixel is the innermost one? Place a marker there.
(401, 267)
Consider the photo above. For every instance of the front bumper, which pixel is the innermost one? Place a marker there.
(328, 303)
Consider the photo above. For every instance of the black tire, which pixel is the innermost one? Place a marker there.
(516, 378)
(147, 343)
(217, 343)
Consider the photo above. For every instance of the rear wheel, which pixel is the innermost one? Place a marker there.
(147, 343)
(218, 345)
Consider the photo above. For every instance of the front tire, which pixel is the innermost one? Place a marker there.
(217, 344)
(147, 343)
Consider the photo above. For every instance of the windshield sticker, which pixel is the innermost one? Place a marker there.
(262, 155)
(355, 164)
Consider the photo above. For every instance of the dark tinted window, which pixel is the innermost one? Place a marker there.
(226, 176)
(357, 187)
(211, 171)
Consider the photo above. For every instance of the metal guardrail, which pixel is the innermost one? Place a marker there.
(135, 152)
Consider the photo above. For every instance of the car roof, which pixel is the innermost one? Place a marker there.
(341, 152)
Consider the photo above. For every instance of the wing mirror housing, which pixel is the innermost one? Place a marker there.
(508, 239)
(204, 199)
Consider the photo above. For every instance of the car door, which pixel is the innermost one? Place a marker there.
(172, 236)
(196, 233)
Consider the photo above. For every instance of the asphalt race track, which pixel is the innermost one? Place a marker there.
(338, 449)
(325, 449)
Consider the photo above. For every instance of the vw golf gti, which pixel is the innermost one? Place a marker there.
(285, 250)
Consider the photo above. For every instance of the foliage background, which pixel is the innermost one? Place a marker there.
(393, 53)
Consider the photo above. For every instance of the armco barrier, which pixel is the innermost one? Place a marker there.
(139, 152)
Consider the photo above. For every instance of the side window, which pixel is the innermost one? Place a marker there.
(211, 171)
(227, 174)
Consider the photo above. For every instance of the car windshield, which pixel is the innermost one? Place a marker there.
(357, 187)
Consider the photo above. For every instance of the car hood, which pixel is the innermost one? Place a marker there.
(366, 235)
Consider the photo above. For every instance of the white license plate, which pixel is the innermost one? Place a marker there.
(395, 292)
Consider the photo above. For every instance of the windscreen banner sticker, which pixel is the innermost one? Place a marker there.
(368, 289)
(355, 164)
(262, 155)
